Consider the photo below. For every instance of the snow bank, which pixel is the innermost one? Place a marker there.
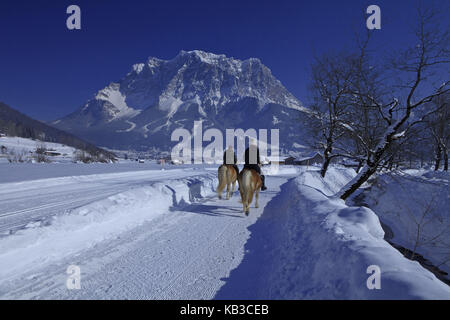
(336, 178)
(411, 200)
(311, 245)
(64, 235)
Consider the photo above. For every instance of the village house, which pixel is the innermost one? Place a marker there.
(306, 160)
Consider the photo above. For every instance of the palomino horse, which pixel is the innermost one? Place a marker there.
(249, 183)
(227, 176)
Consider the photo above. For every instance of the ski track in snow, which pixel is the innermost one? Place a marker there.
(185, 253)
(49, 197)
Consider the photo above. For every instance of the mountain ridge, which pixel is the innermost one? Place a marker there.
(158, 96)
(15, 123)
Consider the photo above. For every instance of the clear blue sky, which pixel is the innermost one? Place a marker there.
(47, 71)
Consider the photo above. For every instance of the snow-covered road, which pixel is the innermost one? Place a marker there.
(185, 249)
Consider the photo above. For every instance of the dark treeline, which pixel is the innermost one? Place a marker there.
(14, 123)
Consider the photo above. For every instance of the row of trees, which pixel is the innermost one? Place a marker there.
(373, 110)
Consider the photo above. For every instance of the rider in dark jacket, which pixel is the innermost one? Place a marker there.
(252, 161)
(229, 157)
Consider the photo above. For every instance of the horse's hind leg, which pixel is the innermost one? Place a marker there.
(228, 191)
(219, 189)
(248, 201)
(247, 209)
(256, 199)
(244, 207)
(242, 194)
(244, 201)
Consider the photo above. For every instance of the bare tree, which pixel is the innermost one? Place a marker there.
(330, 85)
(82, 156)
(438, 127)
(416, 65)
(40, 155)
(16, 156)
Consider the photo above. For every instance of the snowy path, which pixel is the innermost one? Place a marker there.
(186, 252)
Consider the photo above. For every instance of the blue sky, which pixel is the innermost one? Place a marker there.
(47, 71)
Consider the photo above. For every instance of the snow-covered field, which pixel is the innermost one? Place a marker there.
(25, 147)
(139, 232)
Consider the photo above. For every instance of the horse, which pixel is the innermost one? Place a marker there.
(227, 177)
(249, 184)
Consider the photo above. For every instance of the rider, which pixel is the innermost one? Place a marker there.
(252, 161)
(229, 157)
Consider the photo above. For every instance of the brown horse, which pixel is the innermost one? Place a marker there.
(249, 183)
(227, 177)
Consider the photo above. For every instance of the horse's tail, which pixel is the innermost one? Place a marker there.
(222, 174)
(232, 174)
(247, 187)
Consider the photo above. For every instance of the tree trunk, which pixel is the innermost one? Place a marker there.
(325, 165)
(438, 157)
(445, 159)
(360, 164)
(326, 160)
(362, 177)
(372, 162)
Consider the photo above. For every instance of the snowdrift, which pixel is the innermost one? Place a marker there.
(411, 200)
(311, 245)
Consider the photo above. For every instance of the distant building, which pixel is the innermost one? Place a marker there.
(310, 159)
(289, 160)
(306, 160)
(350, 163)
(273, 160)
(52, 153)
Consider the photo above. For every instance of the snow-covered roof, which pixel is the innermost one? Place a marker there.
(272, 158)
(308, 156)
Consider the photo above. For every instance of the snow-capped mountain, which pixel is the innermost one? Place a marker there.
(156, 97)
